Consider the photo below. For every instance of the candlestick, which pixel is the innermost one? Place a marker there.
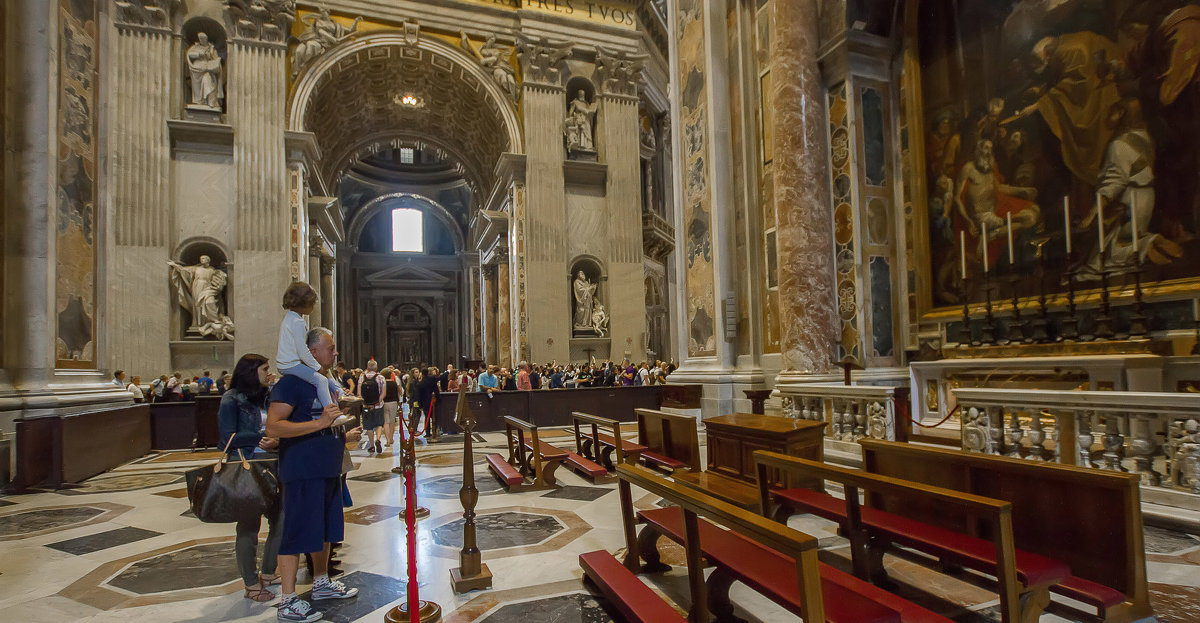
(1100, 222)
(962, 245)
(984, 245)
(1133, 221)
(1008, 218)
(1067, 221)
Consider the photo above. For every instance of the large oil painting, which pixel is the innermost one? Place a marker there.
(1035, 113)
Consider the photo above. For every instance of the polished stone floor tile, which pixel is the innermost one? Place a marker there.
(200, 566)
(501, 530)
(173, 493)
(1164, 541)
(574, 608)
(127, 482)
(103, 540)
(582, 494)
(374, 592)
(371, 514)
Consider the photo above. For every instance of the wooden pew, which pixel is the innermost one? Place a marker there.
(528, 457)
(599, 447)
(672, 440)
(774, 560)
(1024, 578)
(1088, 518)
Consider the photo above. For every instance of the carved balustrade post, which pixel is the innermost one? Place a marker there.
(860, 419)
(1013, 435)
(1037, 438)
(1143, 446)
(1114, 443)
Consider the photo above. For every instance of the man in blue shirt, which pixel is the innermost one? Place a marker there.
(205, 383)
(310, 468)
(488, 380)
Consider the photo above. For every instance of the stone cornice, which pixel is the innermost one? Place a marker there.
(267, 21)
(152, 15)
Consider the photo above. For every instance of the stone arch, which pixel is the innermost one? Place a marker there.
(364, 215)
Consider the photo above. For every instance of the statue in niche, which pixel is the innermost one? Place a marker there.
(322, 33)
(198, 290)
(585, 300)
(204, 66)
(600, 320)
(578, 126)
(497, 59)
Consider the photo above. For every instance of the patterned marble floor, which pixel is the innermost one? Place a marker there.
(124, 548)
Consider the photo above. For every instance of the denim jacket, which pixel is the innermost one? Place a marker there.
(241, 418)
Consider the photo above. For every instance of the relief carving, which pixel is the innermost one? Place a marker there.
(265, 20)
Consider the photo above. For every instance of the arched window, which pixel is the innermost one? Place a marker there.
(408, 231)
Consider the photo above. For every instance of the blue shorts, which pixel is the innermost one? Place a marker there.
(312, 515)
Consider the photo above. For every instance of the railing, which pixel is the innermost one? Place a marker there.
(852, 411)
(1154, 434)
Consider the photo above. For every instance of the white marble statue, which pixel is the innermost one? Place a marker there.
(204, 66)
(578, 126)
(585, 298)
(600, 320)
(497, 59)
(322, 33)
(198, 290)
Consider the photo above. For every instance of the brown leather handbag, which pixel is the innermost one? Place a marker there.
(229, 491)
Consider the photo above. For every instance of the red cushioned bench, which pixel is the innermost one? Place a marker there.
(654, 459)
(847, 598)
(1089, 519)
(1025, 577)
(508, 475)
(636, 601)
(599, 447)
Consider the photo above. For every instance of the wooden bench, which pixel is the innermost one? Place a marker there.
(1024, 578)
(528, 458)
(600, 447)
(672, 441)
(772, 559)
(1087, 518)
(636, 601)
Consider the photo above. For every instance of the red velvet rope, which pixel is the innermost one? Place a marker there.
(940, 422)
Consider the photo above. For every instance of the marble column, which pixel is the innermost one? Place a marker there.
(30, 384)
(619, 143)
(144, 72)
(538, 219)
(317, 318)
(327, 291)
(804, 221)
(504, 350)
(488, 299)
(257, 102)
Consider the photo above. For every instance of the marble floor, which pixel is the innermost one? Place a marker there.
(123, 547)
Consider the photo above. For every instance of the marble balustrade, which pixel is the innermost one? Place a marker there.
(852, 411)
(1155, 434)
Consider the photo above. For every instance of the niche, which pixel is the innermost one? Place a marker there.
(204, 74)
(585, 282)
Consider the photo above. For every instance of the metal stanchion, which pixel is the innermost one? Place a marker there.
(471, 573)
(414, 609)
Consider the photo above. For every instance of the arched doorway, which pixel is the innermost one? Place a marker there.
(405, 122)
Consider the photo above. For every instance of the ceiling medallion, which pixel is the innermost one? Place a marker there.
(408, 100)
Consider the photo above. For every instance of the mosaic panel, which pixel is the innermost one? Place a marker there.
(843, 222)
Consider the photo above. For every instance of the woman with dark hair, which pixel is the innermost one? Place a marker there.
(241, 418)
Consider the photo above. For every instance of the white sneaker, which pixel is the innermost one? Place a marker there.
(332, 589)
(297, 610)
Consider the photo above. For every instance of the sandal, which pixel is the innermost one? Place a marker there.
(260, 595)
(270, 580)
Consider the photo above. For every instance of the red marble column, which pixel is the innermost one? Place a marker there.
(807, 295)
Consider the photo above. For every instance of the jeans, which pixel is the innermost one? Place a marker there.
(246, 547)
(326, 387)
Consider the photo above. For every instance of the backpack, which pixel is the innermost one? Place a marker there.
(370, 389)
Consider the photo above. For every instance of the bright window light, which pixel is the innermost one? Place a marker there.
(407, 156)
(407, 231)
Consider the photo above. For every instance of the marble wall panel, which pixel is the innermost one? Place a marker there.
(587, 223)
(76, 193)
(257, 281)
(204, 202)
(844, 236)
(697, 195)
(138, 326)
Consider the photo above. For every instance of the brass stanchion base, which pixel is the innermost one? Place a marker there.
(420, 513)
(429, 613)
(461, 584)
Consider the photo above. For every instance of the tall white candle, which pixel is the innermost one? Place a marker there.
(1133, 220)
(1008, 217)
(983, 244)
(1067, 221)
(962, 246)
(1100, 222)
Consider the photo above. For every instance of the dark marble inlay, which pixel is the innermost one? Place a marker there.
(128, 482)
(374, 477)
(103, 540)
(576, 607)
(45, 519)
(195, 567)
(500, 530)
(582, 494)
(374, 592)
(1164, 541)
(447, 487)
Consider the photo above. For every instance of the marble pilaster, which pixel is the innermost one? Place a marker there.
(257, 101)
(488, 300)
(538, 220)
(504, 346)
(327, 290)
(143, 79)
(803, 216)
(619, 142)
